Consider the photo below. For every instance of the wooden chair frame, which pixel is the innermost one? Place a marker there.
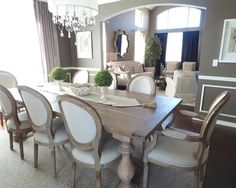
(47, 127)
(13, 115)
(208, 124)
(94, 144)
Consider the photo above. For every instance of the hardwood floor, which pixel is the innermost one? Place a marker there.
(221, 167)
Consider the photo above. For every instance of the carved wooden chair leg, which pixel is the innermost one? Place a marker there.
(145, 174)
(74, 166)
(98, 179)
(35, 155)
(11, 139)
(20, 139)
(53, 157)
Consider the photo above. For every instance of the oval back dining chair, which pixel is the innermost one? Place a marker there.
(89, 146)
(81, 77)
(142, 84)
(48, 131)
(185, 150)
(16, 123)
(7, 80)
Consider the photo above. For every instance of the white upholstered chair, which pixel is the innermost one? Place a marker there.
(81, 77)
(48, 131)
(90, 146)
(188, 66)
(183, 85)
(170, 68)
(142, 84)
(184, 149)
(7, 80)
(17, 123)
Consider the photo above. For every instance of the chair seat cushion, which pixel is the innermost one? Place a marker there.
(172, 152)
(109, 152)
(59, 131)
(24, 124)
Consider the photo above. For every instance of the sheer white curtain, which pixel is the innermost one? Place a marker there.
(20, 51)
(139, 46)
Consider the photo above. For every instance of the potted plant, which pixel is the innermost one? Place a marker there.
(58, 74)
(153, 51)
(103, 79)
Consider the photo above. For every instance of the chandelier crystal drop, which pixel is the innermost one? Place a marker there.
(73, 15)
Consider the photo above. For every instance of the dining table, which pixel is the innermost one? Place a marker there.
(129, 117)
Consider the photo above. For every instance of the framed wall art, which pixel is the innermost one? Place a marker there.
(84, 44)
(228, 42)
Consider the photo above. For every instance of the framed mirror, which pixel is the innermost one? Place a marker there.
(121, 43)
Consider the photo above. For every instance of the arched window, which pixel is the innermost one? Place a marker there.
(178, 17)
(182, 25)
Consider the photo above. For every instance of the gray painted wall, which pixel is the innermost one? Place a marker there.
(217, 11)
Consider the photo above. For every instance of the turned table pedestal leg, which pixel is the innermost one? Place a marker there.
(126, 168)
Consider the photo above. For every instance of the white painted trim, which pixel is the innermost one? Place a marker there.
(202, 95)
(226, 123)
(217, 78)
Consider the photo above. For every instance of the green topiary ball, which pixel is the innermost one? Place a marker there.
(58, 73)
(103, 78)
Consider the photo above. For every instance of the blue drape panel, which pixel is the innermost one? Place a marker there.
(190, 47)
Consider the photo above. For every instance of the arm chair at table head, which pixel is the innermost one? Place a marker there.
(81, 77)
(185, 150)
(142, 84)
(48, 131)
(84, 128)
(16, 122)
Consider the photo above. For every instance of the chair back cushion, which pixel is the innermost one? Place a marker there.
(38, 108)
(7, 102)
(81, 77)
(82, 122)
(142, 84)
(7, 79)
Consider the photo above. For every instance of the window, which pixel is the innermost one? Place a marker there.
(20, 42)
(138, 18)
(174, 46)
(179, 17)
(139, 46)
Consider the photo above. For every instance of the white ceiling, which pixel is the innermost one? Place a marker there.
(100, 2)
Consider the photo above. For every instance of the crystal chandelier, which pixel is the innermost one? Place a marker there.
(73, 15)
